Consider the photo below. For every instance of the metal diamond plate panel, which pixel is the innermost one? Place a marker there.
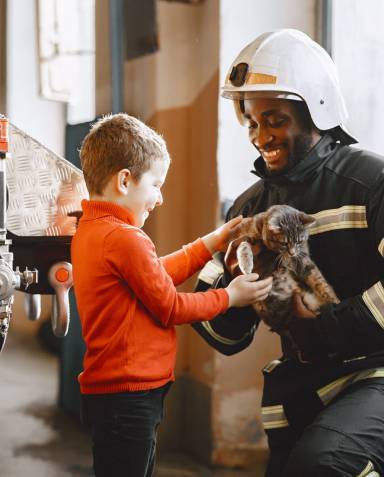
(43, 188)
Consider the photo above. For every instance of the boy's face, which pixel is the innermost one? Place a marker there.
(145, 194)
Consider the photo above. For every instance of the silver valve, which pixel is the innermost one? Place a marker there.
(9, 280)
(5, 317)
(32, 303)
(27, 277)
(60, 279)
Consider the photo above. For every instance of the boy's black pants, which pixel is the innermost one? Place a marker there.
(124, 428)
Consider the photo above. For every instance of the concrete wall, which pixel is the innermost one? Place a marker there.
(358, 45)
(42, 119)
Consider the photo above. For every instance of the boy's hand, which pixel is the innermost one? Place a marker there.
(247, 289)
(218, 240)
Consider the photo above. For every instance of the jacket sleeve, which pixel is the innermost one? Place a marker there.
(354, 327)
(229, 332)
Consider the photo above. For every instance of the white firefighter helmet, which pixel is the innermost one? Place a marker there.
(288, 64)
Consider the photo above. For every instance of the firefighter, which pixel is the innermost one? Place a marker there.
(323, 400)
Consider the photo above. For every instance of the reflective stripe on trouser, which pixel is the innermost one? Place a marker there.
(369, 471)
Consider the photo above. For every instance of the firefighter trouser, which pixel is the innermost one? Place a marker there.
(343, 437)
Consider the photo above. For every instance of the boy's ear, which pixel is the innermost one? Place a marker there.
(123, 178)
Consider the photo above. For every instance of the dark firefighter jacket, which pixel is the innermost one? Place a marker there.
(343, 188)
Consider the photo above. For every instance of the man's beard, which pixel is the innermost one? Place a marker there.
(301, 146)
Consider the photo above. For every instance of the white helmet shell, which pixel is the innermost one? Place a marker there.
(288, 64)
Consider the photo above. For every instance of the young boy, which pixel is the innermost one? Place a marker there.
(126, 295)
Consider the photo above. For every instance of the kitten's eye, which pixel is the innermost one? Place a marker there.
(283, 244)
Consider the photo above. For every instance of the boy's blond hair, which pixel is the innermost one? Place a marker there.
(115, 142)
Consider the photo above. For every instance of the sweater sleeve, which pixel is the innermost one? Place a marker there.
(131, 255)
(183, 263)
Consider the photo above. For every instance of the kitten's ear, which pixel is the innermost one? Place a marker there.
(273, 225)
(307, 220)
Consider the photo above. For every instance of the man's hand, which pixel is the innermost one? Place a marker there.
(299, 309)
(217, 241)
(305, 331)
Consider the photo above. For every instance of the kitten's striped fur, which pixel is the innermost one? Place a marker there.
(275, 243)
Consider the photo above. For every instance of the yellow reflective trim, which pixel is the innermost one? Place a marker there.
(331, 390)
(260, 78)
(346, 224)
(274, 417)
(221, 339)
(272, 409)
(381, 247)
(368, 468)
(210, 272)
(344, 209)
(326, 389)
(374, 299)
(345, 217)
(276, 424)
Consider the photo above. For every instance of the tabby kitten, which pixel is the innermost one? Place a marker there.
(275, 243)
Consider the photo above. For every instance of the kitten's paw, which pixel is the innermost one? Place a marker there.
(245, 257)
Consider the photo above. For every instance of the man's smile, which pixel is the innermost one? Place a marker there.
(272, 155)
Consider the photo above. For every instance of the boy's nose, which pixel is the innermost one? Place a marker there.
(159, 199)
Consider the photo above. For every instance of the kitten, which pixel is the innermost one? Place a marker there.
(275, 243)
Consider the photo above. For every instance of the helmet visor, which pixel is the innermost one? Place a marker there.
(239, 97)
(242, 95)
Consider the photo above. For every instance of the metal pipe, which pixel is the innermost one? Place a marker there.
(326, 25)
(116, 15)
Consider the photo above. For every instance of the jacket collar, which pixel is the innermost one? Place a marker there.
(95, 209)
(303, 171)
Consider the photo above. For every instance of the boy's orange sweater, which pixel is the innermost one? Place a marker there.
(127, 301)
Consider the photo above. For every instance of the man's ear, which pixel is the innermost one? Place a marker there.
(123, 179)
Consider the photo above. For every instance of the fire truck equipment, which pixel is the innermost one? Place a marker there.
(40, 195)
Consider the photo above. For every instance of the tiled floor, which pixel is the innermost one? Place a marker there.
(37, 439)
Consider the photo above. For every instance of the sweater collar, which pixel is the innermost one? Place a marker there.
(95, 209)
(303, 171)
